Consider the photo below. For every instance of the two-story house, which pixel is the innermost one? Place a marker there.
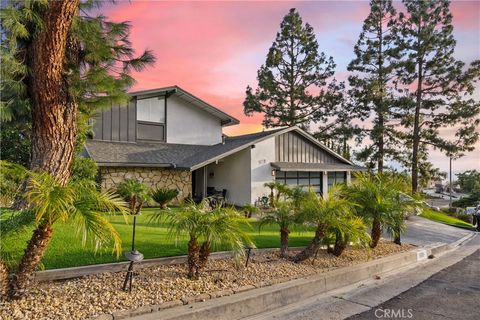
(169, 138)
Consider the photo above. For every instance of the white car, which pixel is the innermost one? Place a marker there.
(473, 210)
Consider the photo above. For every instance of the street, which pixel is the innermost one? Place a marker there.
(452, 293)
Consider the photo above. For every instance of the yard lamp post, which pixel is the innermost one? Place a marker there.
(132, 256)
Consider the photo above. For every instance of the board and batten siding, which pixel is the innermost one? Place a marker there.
(292, 147)
(117, 123)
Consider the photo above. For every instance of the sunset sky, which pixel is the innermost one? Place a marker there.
(213, 49)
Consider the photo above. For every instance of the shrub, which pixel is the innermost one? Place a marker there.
(250, 209)
(163, 196)
(11, 177)
(84, 169)
(464, 217)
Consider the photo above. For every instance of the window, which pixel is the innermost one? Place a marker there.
(307, 180)
(336, 177)
(151, 109)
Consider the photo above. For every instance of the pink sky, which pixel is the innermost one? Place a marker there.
(213, 49)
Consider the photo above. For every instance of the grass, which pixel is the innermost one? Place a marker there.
(66, 249)
(443, 218)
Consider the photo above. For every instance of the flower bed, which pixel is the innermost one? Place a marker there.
(94, 295)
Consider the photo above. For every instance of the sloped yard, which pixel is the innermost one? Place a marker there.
(94, 295)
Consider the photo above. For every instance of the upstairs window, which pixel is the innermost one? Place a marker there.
(151, 110)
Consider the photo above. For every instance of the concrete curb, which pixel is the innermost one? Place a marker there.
(76, 272)
(251, 301)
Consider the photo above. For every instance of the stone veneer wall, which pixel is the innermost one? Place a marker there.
(151, 177)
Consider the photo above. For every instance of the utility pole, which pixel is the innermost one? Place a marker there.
(450, 202)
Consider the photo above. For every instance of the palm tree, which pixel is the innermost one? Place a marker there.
(284, 216)
(404, 204)
(277, 189)
(136, 194)
(348, 228)
(208, 226)
(78, 202)
(376, 198)
(322, 212)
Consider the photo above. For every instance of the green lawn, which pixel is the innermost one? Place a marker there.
(66, 250)
(443, 218)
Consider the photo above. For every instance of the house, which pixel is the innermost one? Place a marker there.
(169, 138)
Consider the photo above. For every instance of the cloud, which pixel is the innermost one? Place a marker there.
(213, 49)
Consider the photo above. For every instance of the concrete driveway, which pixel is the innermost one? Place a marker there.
(421, 232)
(438, 294)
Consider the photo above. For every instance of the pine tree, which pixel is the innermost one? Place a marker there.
(442, 92)
(59, 65)
(292, 84)
(371, 82)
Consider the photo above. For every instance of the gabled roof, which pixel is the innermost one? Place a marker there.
(226, 119)
(192, 157)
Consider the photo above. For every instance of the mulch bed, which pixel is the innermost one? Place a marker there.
(89, 296)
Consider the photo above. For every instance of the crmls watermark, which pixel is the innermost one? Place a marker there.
(393, 313)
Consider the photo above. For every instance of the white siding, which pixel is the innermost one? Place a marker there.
(232, 173)
(261, 170)
(187, 124)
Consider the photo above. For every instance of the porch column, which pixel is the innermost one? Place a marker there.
(349, 177)
(204, 182)
(324, 183)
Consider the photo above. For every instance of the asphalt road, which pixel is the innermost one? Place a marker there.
(453, 293)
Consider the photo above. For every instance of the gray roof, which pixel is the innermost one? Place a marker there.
(301, 166)
(115, 153)
(226, 119)
(112, 153)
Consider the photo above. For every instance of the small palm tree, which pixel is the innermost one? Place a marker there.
(163, 196)
(348, 228)
(395, 220)
(208, 226)
(284, 216)
(135, 193)
(277, 189)
(322, 212)
(78, 202)
(375, 196)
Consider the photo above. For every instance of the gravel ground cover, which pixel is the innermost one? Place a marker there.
(86, 297)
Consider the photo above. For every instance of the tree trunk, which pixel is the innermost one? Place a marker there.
(313, 247)
(193, 258)
(36, 247)
(340, 245)
(284, 232)
(376, 233)
(203, 256)
(416, 123)
(54, 110)
(54, 115)
(397, 239)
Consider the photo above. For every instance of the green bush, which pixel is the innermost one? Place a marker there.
(11, 177)
(464, 217)
(84, 169)
(163, 196)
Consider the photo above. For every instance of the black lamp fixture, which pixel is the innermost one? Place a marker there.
(132, 256)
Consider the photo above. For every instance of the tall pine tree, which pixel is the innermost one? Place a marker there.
(371, 87)
(59, 65)
(292, 84)
(437, 92)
